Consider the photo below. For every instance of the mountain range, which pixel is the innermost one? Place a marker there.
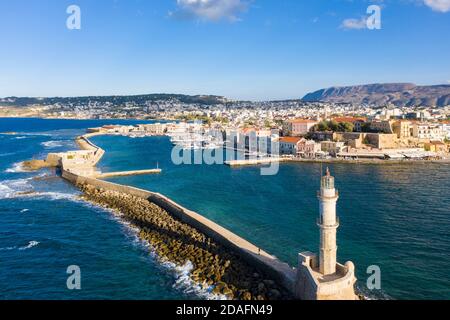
(381, 94)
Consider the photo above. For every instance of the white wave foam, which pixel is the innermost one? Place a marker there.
(22, 188)
(56, 196)
(20, 137)
(5, 191)
(16, 168)
(24, 210)
(52, 144)
(185, 283)
(30, 245)
(10, 188)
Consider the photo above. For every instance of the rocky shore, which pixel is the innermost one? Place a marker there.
(172, 240)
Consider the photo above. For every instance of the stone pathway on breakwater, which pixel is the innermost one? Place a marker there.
(177, 242)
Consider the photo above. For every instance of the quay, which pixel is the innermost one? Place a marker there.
(362, 161)
(128, 173)
(254, 162)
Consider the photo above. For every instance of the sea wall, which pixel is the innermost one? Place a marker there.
(278, 270)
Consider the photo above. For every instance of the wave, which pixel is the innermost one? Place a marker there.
(13, 188)
(53, 144)
(5, 191)
(30, 245)
(22, 188)
(16, 168)
(185, 283)
(57, 196)
(24, 210)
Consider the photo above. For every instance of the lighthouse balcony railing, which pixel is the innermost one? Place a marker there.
(320, 195)
(320, 222)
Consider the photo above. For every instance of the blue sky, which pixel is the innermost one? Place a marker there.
(258, 50)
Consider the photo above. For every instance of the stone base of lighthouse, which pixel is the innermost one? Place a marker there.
(312, 285)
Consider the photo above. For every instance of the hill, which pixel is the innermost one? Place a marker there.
(399, 94)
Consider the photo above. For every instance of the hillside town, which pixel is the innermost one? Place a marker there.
(300, 130)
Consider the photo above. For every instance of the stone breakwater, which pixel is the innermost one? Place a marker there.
(172, 240)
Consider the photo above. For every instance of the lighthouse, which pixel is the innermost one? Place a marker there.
(322, 277)
(328, 224)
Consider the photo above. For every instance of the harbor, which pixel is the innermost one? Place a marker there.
(283, 223)
(236, 269)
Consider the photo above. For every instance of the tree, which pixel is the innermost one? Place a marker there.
(346, 127)
(322, 126)
(334, 126)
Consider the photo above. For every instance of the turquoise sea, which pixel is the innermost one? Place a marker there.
(396, 217)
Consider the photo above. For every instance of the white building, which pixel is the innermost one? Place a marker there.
(428, 131)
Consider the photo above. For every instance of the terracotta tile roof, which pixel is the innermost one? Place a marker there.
(290, 139)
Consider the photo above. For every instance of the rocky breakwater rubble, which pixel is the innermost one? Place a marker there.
(214, 266)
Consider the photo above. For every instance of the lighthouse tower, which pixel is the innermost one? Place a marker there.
(328, 224)
(322, 277)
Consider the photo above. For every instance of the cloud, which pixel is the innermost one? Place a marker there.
(211, 10)
(354, 24)
(438, 5)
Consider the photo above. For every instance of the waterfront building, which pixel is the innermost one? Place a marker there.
(290, 145)
(155, 128)
(384, 126)
(298, 127)
(308, 149)
(426, 131)
(403, 129)
(322, 277)
(332, 147)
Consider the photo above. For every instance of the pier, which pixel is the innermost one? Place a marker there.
(253, 162)
(128, 173)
